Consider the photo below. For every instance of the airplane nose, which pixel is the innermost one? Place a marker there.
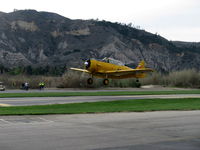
(87, 64)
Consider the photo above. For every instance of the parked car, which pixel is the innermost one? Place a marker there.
(2, 86)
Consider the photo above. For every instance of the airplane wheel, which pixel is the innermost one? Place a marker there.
(105, 81)
(137, 84)
(90, 81)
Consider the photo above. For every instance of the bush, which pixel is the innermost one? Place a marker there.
(15, 81)
(185, 78)
(155, 78)
(73, 79)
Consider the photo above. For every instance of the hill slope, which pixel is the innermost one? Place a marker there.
(28, 37)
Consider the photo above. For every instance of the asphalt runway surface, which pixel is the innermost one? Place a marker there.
(143, 88)
(80, 99)
(168, 130)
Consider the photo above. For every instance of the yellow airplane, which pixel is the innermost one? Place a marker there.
(113, 69)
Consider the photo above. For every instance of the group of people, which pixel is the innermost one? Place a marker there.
(26, 86)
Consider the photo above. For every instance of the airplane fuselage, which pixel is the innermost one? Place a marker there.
(99, 69)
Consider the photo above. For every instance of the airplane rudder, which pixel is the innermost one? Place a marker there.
(141, 65)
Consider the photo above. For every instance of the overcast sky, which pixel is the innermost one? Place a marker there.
(172, 19)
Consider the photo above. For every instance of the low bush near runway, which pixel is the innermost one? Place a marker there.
(15, 81)
(99, 93)
(105, 107)
(185, 78)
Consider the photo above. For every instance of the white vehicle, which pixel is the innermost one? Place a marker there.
(2, 87)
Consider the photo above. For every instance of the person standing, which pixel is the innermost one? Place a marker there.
(41, 85)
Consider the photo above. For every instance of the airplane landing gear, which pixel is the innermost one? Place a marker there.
(90, 81)
(105, 81)
(137, 83)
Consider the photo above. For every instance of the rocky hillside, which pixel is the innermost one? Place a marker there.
(31, 38)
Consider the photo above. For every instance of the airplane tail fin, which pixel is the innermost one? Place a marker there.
(141, 65)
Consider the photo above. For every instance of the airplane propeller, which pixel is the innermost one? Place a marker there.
(87, 63)
(86, 66)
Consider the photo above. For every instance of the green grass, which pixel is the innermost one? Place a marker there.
(104, 107)
(100, 93)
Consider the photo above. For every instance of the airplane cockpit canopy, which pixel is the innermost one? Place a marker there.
(113, 61)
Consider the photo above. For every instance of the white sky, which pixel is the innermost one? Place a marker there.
(172, 19)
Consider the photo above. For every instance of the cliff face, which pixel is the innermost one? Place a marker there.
(28, 37)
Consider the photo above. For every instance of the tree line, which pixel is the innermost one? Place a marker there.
(30, 70)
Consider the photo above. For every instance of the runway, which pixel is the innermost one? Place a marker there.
(80, 99)
(173, 130)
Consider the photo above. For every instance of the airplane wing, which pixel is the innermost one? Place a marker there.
(81, 70)
(128, 71)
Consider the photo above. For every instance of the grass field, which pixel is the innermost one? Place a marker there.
(100, 93)
(104, 107)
